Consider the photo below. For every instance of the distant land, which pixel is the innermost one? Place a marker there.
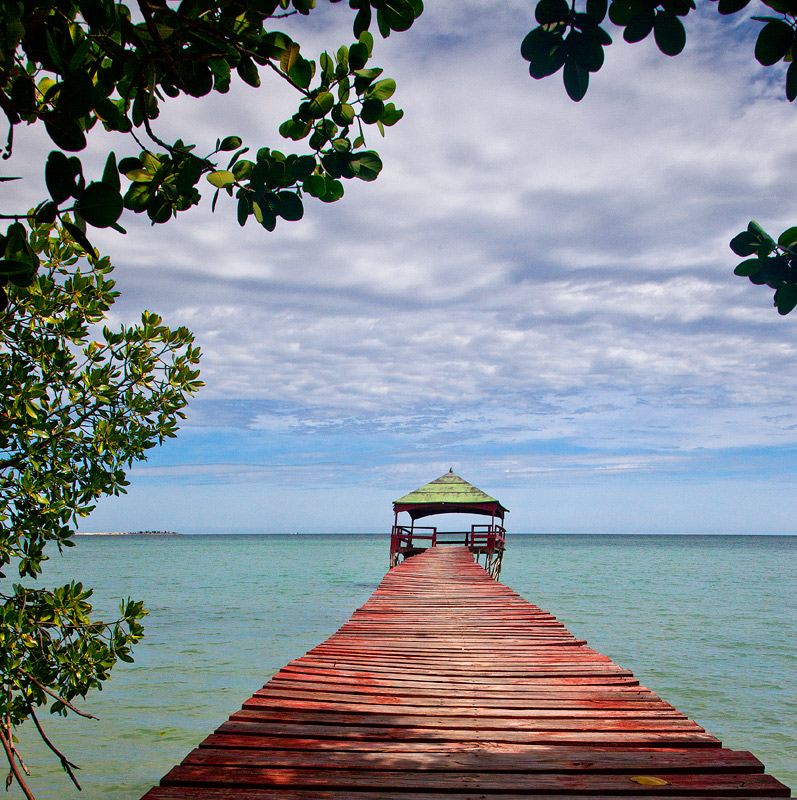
(129, 533)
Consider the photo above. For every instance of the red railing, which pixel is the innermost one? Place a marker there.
(479, 539)
(487, 538)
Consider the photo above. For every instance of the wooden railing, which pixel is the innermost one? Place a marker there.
(479, 539)
(487, 537)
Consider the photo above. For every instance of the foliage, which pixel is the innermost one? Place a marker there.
(573, 40)
(71, 65)
(79, 405)
(774, 263)
(74, 412)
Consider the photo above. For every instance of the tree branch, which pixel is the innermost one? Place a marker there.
(58, 696)
(9, 748)
(65, 762)
(146, 12)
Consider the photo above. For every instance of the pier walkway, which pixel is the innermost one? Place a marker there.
(447, 684)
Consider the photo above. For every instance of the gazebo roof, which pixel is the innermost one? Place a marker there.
(448, 494)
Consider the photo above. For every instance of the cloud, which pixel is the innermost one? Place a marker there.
(526, 275)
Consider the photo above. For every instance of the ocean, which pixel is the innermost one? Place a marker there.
(707, 622)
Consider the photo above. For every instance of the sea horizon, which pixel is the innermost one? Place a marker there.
(387, 533)
(704, 620)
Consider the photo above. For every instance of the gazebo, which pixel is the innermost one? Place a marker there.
(449, 494)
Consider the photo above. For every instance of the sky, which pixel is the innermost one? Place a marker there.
(535, 293)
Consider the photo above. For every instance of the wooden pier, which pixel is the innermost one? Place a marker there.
(447, 684)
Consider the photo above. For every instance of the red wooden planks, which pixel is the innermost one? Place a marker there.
(447, 684)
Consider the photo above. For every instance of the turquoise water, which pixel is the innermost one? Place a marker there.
(708, 622)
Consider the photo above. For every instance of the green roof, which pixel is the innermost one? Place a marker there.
(448, 488)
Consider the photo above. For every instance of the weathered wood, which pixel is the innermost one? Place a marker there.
(599, 722)
(726, 785)
(288, 793)
(533, 759)
(446, 684)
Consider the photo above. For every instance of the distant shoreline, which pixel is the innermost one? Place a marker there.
(129, 533)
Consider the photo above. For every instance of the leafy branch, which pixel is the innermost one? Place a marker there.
(74, 66)
(75, 413)
(574, 40)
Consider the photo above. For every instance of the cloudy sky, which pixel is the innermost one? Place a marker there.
(535, 292)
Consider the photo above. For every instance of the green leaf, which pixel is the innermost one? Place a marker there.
(327, 189)
(129, 164)
(314, 185)
(65, 132)
(247, 71)
(786, 298)
(342, 145)
(243, 170)
(366, 165)
(744, 244)
(197, 78)
(320, 105)
(110, 175)
(243, 211)
(59, 177)
(788, 238)
(75, 94)
(289, 206)
(398, 15)
(371, 110)
(774, 42)
(544, 51)
(295, 128)
(576, 80)
(640, 26)
(362, 21)
(621, 12)
(749, 267)
(221, 178)
(220, 68)
(731, 6)
(78, 236)
(138, 196)
(11, 267)
(302, 73)
(669, 33)
(382, 90)
(597, 10)
(100, 204)
(585, 50)
(230, 143)
(391, 115)
(781, 6)
(46, 212)
(371, 72)
(549, 11)
(763, 237)
(23, 93)
(302, 167)
(159, 209)
(358, 56)
(266, 216)
(368, 40)
(139, 175)
(343, 114)
(791, 82)
(289, 57)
